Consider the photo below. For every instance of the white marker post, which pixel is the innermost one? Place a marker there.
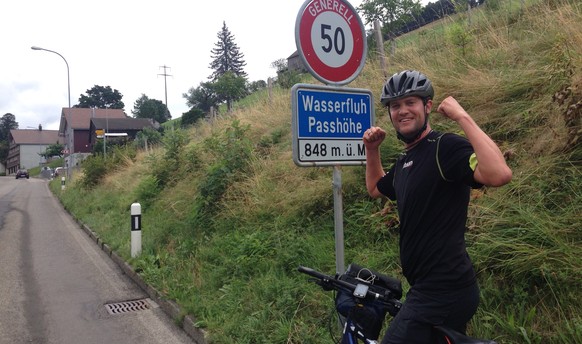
(62, 183)
(135, 229)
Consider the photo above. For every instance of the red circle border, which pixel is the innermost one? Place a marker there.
(333, 74)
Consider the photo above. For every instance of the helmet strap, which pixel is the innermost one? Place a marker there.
(413, 137)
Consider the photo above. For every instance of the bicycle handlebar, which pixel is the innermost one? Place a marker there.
(328, 282)
(387, 299)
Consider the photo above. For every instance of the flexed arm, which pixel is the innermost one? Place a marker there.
(491, 170)
(373, 137)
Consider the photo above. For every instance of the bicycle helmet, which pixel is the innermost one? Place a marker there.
(404, 84)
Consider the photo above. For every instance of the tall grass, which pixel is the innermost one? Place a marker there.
(228, 217)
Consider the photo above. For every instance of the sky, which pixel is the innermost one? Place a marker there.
(125, 44)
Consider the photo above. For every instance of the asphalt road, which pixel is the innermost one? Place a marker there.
(55, 281)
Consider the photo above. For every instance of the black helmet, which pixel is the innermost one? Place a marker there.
(407, 83)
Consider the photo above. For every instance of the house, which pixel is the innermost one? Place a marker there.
(118, 126)
(75, 129)
(295, 63)
(26, 145)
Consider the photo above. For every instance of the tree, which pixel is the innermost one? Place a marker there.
(56, 149)
(393, 14)
(145, 107)
(147, 137)
(230, 87)
(228, 80)
(203, 97)
(285, 77)
(4, 150)
(226, 56)
(7, 123)
(191, 117)
(102, 98)
(437, 10)
(461, 36)
(256, 85)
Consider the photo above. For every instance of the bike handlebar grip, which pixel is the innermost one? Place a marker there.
(311, 272)
(304, 269)
(327, 279)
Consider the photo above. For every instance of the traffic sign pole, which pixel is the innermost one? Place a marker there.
(338, 217)
(331, 41)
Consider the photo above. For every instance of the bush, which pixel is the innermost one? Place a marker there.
(147, 191)
(232, 152)
(94, 169)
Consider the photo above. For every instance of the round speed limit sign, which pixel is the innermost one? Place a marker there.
(331, 40)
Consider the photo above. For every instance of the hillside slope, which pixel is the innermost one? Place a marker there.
(228, 217)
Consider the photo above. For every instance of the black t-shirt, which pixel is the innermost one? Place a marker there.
(432, 197)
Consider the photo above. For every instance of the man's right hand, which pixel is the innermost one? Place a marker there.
(373, 137)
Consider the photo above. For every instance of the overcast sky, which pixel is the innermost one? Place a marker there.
(124, 44)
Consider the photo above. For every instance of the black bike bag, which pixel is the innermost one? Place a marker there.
(368, 315)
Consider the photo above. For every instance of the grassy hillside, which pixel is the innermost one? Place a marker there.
(228, 217)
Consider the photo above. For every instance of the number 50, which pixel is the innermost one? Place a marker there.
(338, 43)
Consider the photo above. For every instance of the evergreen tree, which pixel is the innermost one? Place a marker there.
(7, 122)
(226, 56)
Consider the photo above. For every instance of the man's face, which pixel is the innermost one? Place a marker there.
(408, 114)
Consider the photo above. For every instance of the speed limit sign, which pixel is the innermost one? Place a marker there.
(331, 40)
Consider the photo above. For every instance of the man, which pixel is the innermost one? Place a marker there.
(431, 183)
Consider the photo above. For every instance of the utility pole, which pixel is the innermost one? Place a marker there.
(165, 83)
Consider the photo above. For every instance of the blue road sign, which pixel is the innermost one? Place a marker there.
(328, 124)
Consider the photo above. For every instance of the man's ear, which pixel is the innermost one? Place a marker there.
(428, 106)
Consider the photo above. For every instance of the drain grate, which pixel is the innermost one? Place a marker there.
(127, 306)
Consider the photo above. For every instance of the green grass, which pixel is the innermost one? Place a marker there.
(228, 217)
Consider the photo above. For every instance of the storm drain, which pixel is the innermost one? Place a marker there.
(127, 307)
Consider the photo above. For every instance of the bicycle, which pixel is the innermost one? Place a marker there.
(364, 297)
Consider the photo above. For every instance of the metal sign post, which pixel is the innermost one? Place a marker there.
(329, 122)
(327, 127)
(338, 218)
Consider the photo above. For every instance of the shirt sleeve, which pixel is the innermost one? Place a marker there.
(386, 184)
(457, 160)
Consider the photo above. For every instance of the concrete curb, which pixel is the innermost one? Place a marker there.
(170, 307)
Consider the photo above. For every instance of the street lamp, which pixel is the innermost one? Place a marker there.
(69, 90)
(68, 78)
